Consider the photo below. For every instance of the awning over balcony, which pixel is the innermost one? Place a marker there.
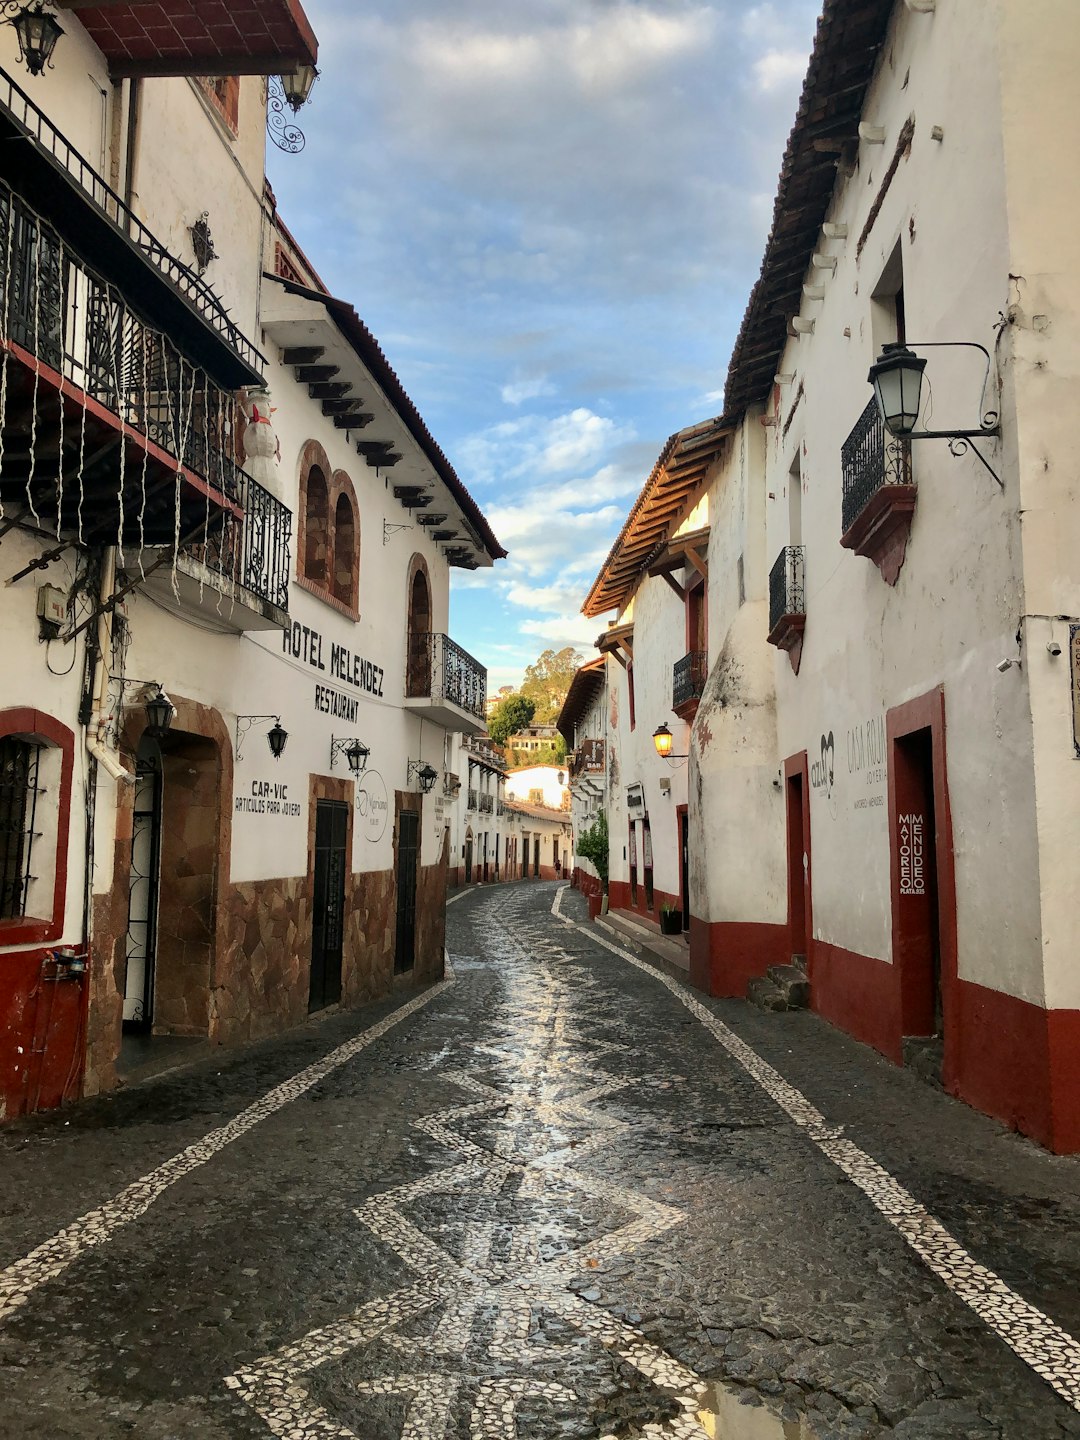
(198, 37)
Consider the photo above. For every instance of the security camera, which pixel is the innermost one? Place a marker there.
(1004, 665)
(1053, 648)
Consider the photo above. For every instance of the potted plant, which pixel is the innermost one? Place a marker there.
(670, 919)
(593, 846)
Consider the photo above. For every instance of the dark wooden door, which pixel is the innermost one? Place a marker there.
(328, 905)
(408, 846)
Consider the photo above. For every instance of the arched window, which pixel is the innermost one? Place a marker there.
(328, 543)
(419, 654)
(346, 546)
(317, 527)
(36, 764)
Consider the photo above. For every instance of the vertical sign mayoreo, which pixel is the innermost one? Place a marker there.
(1074, 659)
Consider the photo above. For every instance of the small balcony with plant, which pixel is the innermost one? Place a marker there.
(787, 602)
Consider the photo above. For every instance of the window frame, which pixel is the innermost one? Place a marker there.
(34, 727)
(339, 486)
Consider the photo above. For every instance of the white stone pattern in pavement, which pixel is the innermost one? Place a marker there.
(532, 1098)
(50, 1259)
(1048, 1349)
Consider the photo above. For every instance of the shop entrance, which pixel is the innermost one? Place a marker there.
(143, 890)
(684, 864)
(328, 903)
(917, 917)
(468, 859)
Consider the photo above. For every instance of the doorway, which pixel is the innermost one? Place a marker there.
(536, 855)
(683, 822)
(468, 859)
(328, 903)
(798, 860)
(633, 863)
(408, 848)
(143, 883)
(418, 677)
(915, 886)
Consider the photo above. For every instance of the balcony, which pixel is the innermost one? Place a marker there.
(55, 182)
(473, 798)
(787, 603)
(688, 683)
(487, 803)
(879, 494)
(112, 435)
(445, 684)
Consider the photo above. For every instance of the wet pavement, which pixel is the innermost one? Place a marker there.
(555, 1196)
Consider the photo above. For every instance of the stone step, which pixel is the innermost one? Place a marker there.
(792, 983)
(765, 995)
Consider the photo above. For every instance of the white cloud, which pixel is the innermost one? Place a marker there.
(565, 630)
(518, 391)
(779, 70)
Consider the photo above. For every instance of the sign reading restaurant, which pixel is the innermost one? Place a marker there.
(304, 643)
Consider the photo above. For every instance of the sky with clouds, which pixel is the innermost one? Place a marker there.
(550, 215)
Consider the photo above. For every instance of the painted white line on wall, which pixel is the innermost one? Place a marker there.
(1048, 1349)
(50, 1259)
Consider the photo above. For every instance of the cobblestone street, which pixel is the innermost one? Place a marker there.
(556, 1195)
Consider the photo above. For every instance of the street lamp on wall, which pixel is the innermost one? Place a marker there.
(37, 32)
(297, 85)
(159, 714)
(897, 378)
(424, 773)
(354, 750)
(276, 737)
(663, 739)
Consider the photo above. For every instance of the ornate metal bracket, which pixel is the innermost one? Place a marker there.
(283, 130)
(961, 441)
(389, 529)
(202, 242)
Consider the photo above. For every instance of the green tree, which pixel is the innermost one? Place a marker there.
(592, 845)
(548, 679)
(510, 716)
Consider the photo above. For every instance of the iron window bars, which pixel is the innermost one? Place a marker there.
(871, 458)
(19, 790)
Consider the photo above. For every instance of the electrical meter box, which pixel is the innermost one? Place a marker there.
(51, 606)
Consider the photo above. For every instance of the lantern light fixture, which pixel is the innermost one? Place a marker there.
(897, 378)
(354, 750)
(160, 713)
(298, 84)
(276, 737)
(663, 739)
(424, 773)
(37, 32)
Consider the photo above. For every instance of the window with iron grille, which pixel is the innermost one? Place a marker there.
(18, 809)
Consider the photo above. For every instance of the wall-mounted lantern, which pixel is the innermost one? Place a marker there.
(424, 773)
(354, 750)
(298, 84)
(897, 378)
(276, 737)
(160, 714)
(663, 739)
(37, 32)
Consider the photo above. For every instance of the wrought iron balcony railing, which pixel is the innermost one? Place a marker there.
(473, 798)
(787, 589)
(689, 677)
(57, 311)
(871, 458)
(487, 803)
(440, 670)
(181, 277)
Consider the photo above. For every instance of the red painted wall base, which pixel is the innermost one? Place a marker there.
(858, 995)
(726, 955)
(42, 1034)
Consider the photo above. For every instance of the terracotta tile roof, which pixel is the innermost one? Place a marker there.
(677, 475)
(586, 683)
(538, 812)
(847, 46)
(199, 37)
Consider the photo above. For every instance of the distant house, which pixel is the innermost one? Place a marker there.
(531, 741)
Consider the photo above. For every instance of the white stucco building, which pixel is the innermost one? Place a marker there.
(215, 470)
(883, 772)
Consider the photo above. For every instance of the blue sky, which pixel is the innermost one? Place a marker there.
(551, 215)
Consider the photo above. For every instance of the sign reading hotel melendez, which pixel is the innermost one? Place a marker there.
(338, 661)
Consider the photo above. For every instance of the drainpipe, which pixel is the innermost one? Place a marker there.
(94, 742)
